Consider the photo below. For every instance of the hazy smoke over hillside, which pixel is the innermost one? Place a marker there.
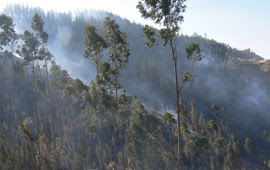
(242, 89)
(75, 65)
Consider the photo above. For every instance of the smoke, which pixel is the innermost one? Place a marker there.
(216, 81)
(76, 68)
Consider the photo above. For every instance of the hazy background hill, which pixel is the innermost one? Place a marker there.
(235, 79)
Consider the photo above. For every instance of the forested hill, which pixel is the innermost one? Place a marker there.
(235, 81)
(224, 77)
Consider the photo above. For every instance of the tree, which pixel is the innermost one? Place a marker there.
(8, 38)
(95, 44)
(168, 13)
(37, 25)
(29, 50)
(118, 49)
(8, 35)
(118, 53)
(34, 47)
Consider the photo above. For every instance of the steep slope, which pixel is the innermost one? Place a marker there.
(235, 79)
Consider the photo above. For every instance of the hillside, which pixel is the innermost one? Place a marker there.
(147, 74)
(235, 80)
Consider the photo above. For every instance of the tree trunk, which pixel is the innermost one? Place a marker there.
(177, 104)
(178, 116)
(116, 126)
(101, 166)
(33, 74)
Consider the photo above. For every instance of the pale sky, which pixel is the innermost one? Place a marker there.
(240, 23)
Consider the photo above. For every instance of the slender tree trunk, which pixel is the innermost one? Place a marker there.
(101, 167)
(53, 124)
(14, 101)
(116, 126)
(177, 105)
(38, 133)
(47, 74)
(33, 74)
(123, 149)
(178, 117)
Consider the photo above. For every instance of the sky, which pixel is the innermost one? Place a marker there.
(240, 23)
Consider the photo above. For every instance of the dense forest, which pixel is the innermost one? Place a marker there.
(82, 90)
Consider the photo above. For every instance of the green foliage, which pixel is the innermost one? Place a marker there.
(94, 43)
(117, 42)
(76, 87)
(211, 125)
(184, 128)
(85, 128)
(8, 34)
(193, 52)
(195, 144)
(168, 12)
(149, 34)
(232, 158)
(168, 119)
(219, 145)
(30, 47)
(187, 77)
(37, 25)
(59, 79)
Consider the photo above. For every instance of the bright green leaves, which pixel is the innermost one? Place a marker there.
(149, 34)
